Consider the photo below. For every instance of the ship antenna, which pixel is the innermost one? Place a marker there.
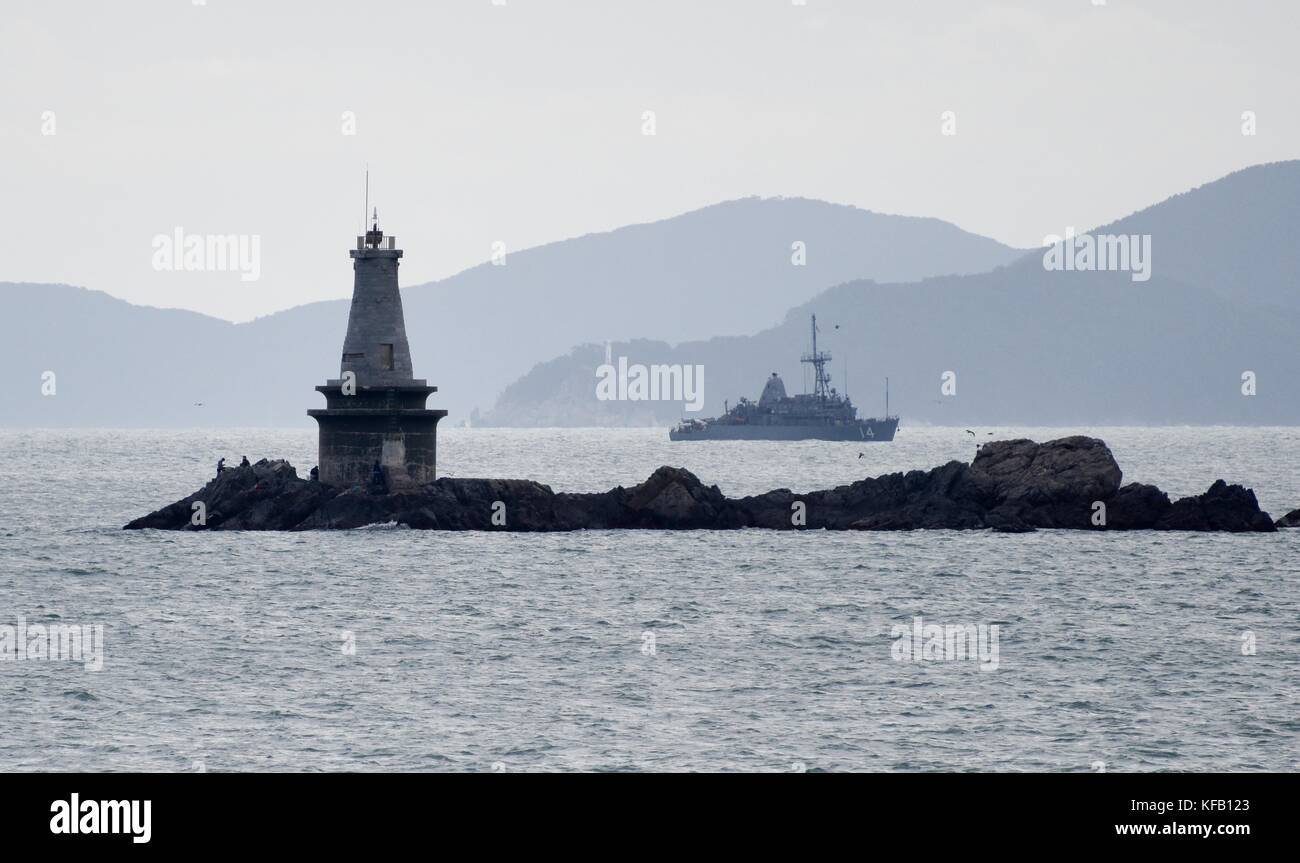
(818, 361)
(366, 211)
(814, 334)
(816, 379)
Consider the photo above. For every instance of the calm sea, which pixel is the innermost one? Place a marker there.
(392, 649)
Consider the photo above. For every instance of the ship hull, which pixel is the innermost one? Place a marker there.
(863, 431)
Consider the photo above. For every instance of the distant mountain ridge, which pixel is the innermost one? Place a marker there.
(1026, 345)
(727, 268)
(1234, 236)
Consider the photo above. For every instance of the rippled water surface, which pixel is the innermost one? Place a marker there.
(525, 652)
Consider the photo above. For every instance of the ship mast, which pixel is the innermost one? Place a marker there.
(818, 359)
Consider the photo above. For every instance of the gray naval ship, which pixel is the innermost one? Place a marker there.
(823, 414)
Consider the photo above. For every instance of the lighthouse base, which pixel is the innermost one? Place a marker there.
(384, 426)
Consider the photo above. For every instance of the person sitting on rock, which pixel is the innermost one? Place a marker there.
(315, 474)
(244, 463)
(377, 477)
(221, 466)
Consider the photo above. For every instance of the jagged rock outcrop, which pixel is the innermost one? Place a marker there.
(265, 496)
(1291, 519)
(1136, 506)
(1011, 486)
(1223, 507)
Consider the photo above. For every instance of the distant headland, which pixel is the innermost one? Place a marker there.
(1011, 486)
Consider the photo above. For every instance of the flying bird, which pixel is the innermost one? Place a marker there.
(969, 432)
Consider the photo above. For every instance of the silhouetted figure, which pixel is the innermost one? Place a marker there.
(244, 463)
(377, 478)
(315, 474)
(221, 466)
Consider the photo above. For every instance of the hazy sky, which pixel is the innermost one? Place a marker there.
(523, 122)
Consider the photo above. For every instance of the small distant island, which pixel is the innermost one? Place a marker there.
(378, 465)
(1011, 486)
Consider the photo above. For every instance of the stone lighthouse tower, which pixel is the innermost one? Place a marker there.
(375, 411)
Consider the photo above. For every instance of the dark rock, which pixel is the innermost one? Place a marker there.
(1012, 486)
(1051, 485)
(1291, 519)
(1009, 518)
(674, 498)
(1136, 507)
(1222, 508)
(267, 495)
(1068, 469)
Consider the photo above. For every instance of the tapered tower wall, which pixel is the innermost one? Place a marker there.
(375, 411)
